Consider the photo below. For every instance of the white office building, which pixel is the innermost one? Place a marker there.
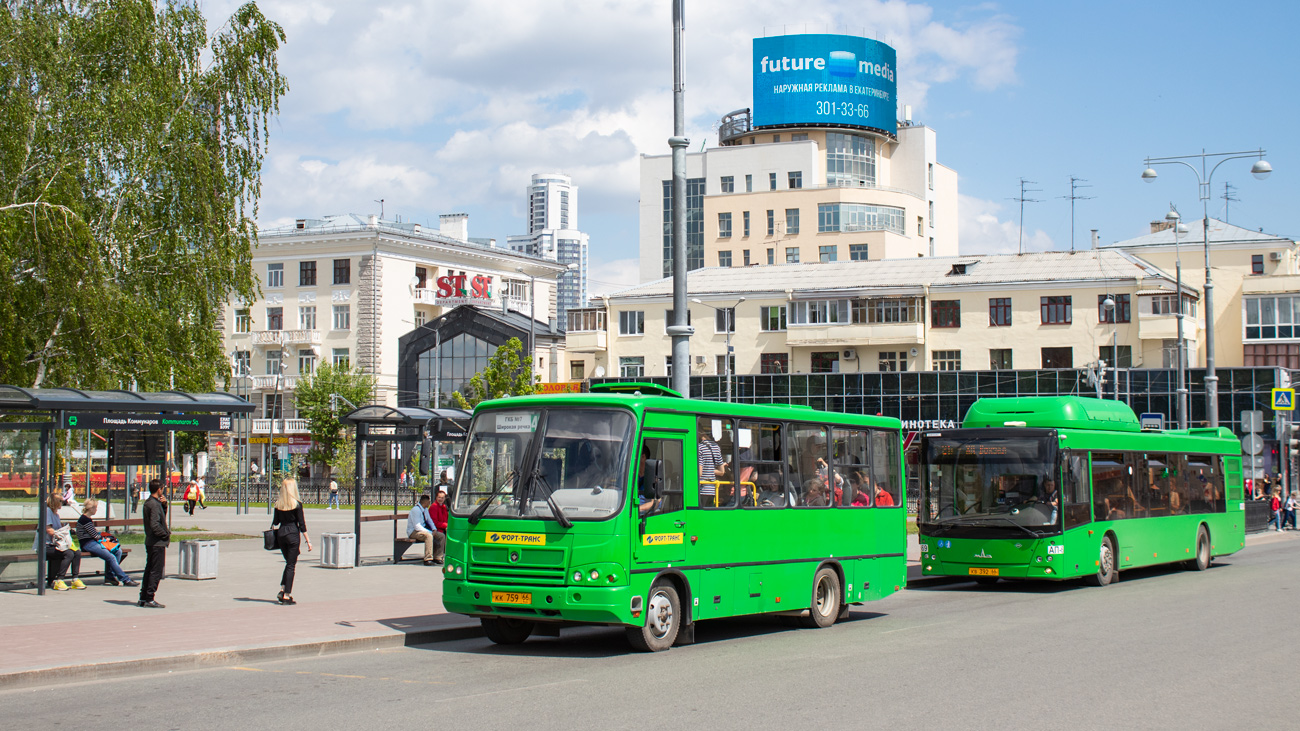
(553, 234)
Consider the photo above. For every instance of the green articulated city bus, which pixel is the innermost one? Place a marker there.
(590, 509)
(1068, 487)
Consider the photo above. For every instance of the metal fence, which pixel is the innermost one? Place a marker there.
(316, 491)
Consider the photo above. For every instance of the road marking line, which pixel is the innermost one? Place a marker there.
(919, 626)
(511, 690)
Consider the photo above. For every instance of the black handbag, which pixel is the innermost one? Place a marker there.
(270, 539)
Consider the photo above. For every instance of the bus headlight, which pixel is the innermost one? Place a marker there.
(577, 576)
(594, 575)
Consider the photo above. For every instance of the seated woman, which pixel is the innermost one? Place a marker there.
(59, 557)
(92, 542)
(814, 493)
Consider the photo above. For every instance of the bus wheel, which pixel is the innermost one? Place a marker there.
(825, 599)
(1202, 561)
(662, 621)
(507, 630)
(1106, 564)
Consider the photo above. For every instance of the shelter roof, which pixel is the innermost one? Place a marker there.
(18, 398)
(380, 414)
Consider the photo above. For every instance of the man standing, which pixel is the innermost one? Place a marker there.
(444, 483)
(334, 495)
(156, 537)
(420, 527)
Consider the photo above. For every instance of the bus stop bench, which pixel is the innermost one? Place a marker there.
(400, 546)
(85, 555)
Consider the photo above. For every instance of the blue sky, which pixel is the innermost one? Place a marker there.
(440, 107)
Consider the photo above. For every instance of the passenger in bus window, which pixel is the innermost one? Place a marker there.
(883, 498)
(770, 492)
(712, 467)
(814, 493)
(860, 487)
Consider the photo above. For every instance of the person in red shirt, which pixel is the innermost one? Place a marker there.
(438, 512)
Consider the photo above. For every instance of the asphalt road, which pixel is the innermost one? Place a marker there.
(1163, 648)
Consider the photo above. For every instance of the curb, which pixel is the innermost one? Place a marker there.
(223, 658)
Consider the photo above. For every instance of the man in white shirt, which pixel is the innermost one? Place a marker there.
(420, 527)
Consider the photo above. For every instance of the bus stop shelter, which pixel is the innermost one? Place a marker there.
(405, 425)
(46, 410)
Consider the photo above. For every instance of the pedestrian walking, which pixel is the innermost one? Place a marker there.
(59, 554)
(190, 496)
(101, 545)
(334, 496)
(156, 537)
(202, 487)
(1288, 511)
(291, 528)
(1275, 510)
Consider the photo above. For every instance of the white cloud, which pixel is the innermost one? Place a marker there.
(612, 276)
(981, 231)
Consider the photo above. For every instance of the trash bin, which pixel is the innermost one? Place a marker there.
(338, 550)
(198, 560)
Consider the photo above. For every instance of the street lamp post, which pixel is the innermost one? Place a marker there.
(1181, 355)
(729, 318)
(1109, 304)
(532, 326)
(1260, 170)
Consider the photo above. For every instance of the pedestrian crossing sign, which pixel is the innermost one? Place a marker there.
(1284, 399)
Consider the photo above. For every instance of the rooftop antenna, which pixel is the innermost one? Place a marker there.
(1228, 198)
(1023, 200)
(381, 208)
(1073, 196)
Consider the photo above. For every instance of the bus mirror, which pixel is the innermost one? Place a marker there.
(426, 454)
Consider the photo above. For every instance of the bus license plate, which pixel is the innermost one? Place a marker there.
(971, 572)
(511, 597)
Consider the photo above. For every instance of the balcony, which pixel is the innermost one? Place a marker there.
(1163, 327)
(425, 296)
(282, 426)
(875, 333)
(287, 337)
(590, 341)
(267, 383)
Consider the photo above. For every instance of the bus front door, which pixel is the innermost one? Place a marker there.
(661, 518)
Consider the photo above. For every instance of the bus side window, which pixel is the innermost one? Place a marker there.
(669, 453)
(1204, 484)
(761, 472)
(808, 463)
(853, 469)
(1156, 479)
(1075, 493)
(886, 468)
(1112, 494)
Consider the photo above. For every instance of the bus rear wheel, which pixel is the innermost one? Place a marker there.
(1106, 572)
(1203, 558)
(507, 630)
(825, 599)
(663, 619)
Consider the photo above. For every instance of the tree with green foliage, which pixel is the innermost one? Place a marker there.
(343, 464)
(312, 397)
(507, 374)
(131, 147)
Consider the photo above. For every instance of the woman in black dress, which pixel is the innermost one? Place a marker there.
(291, 528)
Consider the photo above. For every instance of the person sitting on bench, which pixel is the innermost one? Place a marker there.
(420, 527)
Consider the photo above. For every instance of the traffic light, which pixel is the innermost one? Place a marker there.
(1293, 436)
(426, 455)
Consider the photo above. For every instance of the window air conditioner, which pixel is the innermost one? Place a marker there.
(1275, 256)
(699, 360)
(849, 354)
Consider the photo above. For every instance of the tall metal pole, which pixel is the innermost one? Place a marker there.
(1182, 344)
(679, 329)
(532, 329)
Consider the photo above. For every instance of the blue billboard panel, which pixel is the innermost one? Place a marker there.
(825, 79)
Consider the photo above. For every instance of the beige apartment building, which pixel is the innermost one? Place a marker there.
(802, 194)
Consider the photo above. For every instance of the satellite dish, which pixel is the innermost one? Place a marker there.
(600, 372)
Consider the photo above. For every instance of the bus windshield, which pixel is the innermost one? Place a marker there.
(578, 470)
(991, 483)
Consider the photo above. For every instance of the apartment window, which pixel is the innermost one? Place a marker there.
(771, 181)
(724, 364)
(839, 217)
(819, 312)
(799, 137)
(243, 321)
(421, 317)
(826, 361)
(999, 312)
(1107, 353)
(1169, 353)
(772, 318)
(946, 360)
(771, 222)
(1121, 312)
(792, 220)
(1056, 311)
(342, 358)
(342, 271)
(1256, 263)
(1267, 318)
(275, 275)
(307, 317)
(792, 255)
(586, 320)
(745, 218)
(745, 253)
(771, 256)
(1058, 357)
(668, 366)
(306, 361)
(273, 359)
(273, 406)
(776, 138)
(850, 161)
(577, 370)
(724, 225)
(724, 320)
(631, 322)
(724, 258)
(929, 174)
(342, 317)
(774, 363)
(631, 366)
(945, 313)
(275, 318)
(894, 310)
(931, 214)
(858, 311)
(243, 364)
(421, 277)
(749, 183)
(728, 184)
(827, 253)
(890, 361)
(306, 274)
(858, 252)
(1000, 359)
(795, 179)
(669, 319)
(920, 226)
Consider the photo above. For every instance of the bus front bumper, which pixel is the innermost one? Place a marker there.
(583, 604)
(936, 567)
